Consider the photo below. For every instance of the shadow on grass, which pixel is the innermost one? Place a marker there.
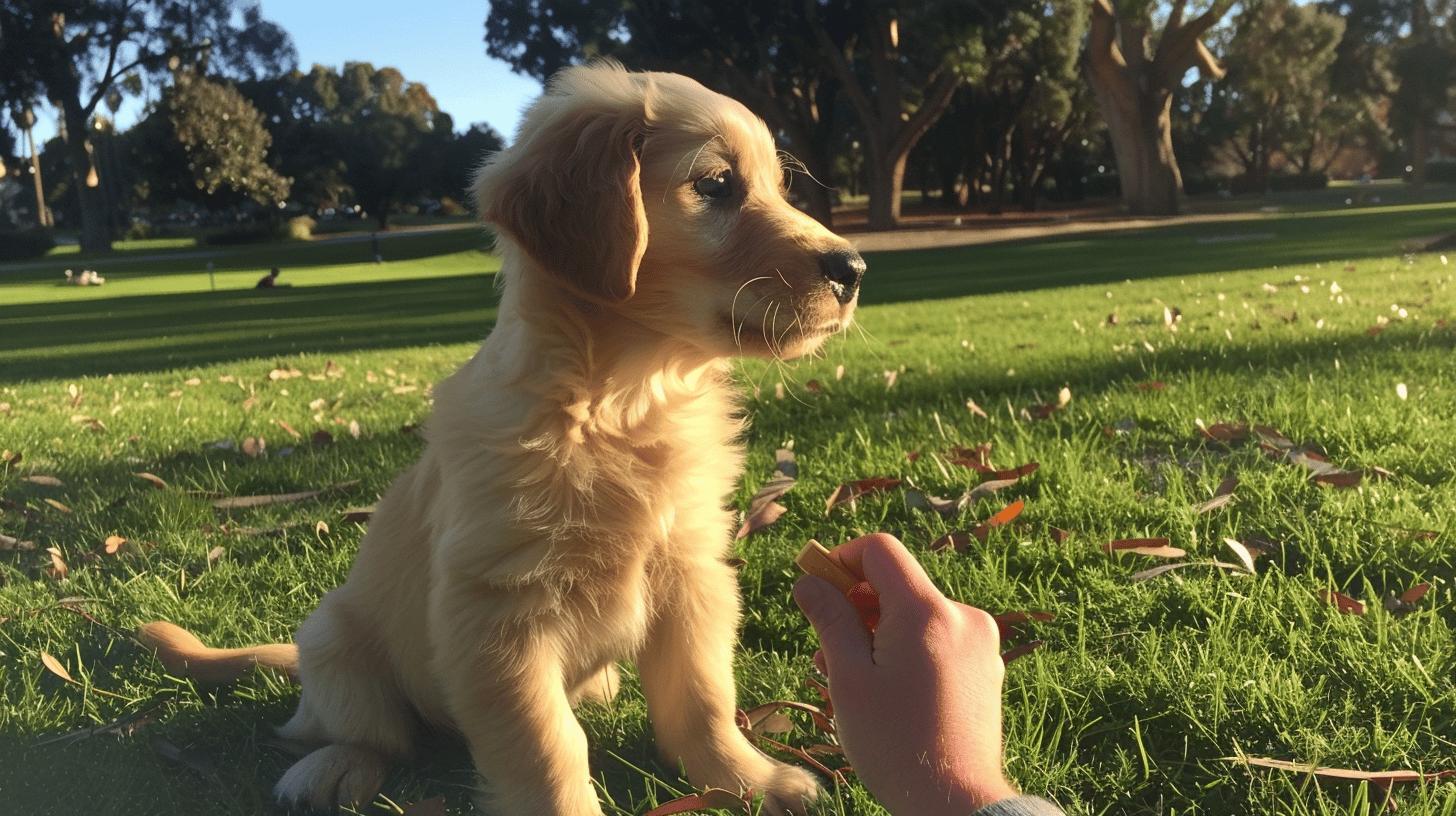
(152, 332)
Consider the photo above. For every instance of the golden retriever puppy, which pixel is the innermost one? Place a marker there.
(568, 510)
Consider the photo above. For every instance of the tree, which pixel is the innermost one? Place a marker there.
(753, 50)
(382, 127)
(1277, 99)
(464, 153)
(1425, 64)
(1133, 78)
(898, 93)
(1005, 130)
(76, 52)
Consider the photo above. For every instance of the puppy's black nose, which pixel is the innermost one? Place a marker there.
(843, 268)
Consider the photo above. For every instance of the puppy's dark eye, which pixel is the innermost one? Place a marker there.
(717, 186)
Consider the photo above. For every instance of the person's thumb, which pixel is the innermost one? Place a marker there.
(846, 643)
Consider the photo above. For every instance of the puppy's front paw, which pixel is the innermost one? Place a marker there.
(787, 790)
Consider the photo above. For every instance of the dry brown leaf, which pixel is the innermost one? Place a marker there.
(244, 502)
(1339, 478)
(1225, 432)
(1415, 593)
(814, 387)
(359, 515)
(1380, 778)
(13, 543)
(253, 447)
(152, 479)
(1342, 602)
(917, 499)
(1164, 569)
(1154, 385)
(288, 428)
(10, 457)
(762, 517)
(960, 542)
(768, 719)
(1059, 535)
(44, 481)
(214, 554)
(354, 429)
(710, 799)
(54, 667)
(112, 544)
(1245, 556)
(851, 491)
(1153, 547)
(988, 487)
(57, 570)
(57, 505)
(975, 409)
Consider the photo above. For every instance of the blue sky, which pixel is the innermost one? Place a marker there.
(440, 44)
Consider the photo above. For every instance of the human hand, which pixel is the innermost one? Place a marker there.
(917, 705)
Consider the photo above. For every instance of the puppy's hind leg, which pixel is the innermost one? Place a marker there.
(350, 704)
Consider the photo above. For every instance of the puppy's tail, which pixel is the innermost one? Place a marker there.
(186, 656)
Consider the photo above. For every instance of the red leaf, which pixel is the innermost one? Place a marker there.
(1059, 535)
(1226, 432)
(1343, 602)
(850, 491)
(1012, 473)
(152, 479)
(1382, 778)
(1001, 518)
(1415, 593)
(707, 800)
(1155, 385)
(960, 542)
(761, 518)
(289, 428)
(1021, 651)
(1339, 478)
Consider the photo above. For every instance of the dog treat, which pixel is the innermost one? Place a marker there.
(815, 560)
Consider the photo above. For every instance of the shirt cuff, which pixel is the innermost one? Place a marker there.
(1020, 806)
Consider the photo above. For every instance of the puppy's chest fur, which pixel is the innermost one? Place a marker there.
(594, 498)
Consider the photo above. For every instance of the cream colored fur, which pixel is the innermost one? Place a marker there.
(568, 510)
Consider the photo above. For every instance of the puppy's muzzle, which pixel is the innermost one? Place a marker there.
(843, 269)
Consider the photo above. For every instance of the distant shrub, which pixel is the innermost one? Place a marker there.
(1443, 171)
(138, 230)
(1280, 183)
(24, 245)
(449, 206)
(301, 227)
(298, 228)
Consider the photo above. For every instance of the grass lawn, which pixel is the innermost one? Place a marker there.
(1141, 691)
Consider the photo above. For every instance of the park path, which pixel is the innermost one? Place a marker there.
(983, 231)
(99, 263)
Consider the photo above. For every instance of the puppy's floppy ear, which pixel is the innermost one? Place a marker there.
(569, 192)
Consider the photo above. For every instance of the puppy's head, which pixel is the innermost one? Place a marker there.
(663, 202)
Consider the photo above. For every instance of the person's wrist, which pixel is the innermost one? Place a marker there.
(972, 795)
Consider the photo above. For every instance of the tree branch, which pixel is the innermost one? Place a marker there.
(937, 99)
(835, 55)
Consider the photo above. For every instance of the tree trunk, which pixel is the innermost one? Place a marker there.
(887, 182)
(1420, 147)
(1142, 142)
(95, 230)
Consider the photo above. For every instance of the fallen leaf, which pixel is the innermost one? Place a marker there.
(1415, 593)
(712, 798)
(244, 502)
(975, 409)
(813, 387)
(359, 515)
(1222, 495)
(1164, 569)
(890, 377)
(1023, 650)
(1339, 478)
(839, 372)
(58, 569)
(1342, 602)
(917, 499)
(1012, 474)
(1001, 518)
(57, 505)
(9, 457)
(152, 479)
(1381, 778)
(1155, 385)
(850, 491)
(112, 544)
(960, 542)
(284, 374)
(54, 667)
(1225, 432)
(1154, 547)
(1245, 556)
(912, 456)
(1059, 535)
(289, 428)
(253, 447)
(214, 554)
(1064, 397)
(977, 458)
(190, 758)
(13, 543)
(354, 430)
(762, 517)
(988, 487)
(44, 481)
(768, 719)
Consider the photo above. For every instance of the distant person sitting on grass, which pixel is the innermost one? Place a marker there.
(270, 280)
